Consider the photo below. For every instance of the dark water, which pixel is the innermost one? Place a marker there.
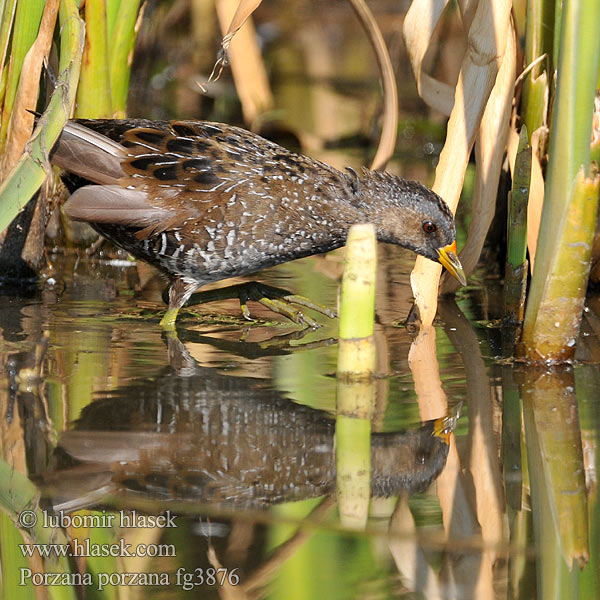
(230, 427)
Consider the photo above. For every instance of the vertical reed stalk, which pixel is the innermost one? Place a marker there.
(538, 41)
(356, 365)
(29, 173)
(93, 93)
(122, 38)
(515, 278)
(569, 215)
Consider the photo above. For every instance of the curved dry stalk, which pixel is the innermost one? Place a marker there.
(477, 76)
(389, 129)
(489, 153)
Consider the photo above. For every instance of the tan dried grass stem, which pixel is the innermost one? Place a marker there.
(487, 41)
(389, 129)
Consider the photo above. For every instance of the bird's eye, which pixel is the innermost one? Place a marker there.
(429, 227)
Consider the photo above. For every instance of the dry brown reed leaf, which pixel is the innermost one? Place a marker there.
(240, 16)
(486, 45)
(247, 66)
(419, 25)
(536, 194)
(21, 121)
(489, 154)
(389, 129)
(536, 187)
(244, 10)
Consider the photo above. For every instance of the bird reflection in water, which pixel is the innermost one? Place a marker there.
(225, 441)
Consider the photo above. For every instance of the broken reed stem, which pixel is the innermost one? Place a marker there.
(551, 326)
(356, 356)
(356, 364)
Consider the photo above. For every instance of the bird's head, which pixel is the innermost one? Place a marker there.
(410, 215)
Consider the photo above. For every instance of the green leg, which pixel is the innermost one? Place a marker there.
(168, 321)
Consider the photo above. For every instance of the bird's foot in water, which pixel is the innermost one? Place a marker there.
(275, 299)
(282, 302)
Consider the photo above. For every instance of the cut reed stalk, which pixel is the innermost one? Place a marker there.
(356, 365)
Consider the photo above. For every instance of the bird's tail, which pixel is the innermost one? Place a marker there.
(89, 154)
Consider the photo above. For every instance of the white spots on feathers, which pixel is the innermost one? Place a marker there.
(178, 251)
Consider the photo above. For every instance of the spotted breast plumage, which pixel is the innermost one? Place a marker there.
(206, 201)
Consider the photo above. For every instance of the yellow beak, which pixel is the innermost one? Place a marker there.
(449, 259)
(444, 426)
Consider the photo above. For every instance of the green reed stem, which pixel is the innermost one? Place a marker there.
(356, 365)
(538, 41)
(94, 98)
(517, 207)
(122, 42)
(30, 172)
(7, 13)
(569, 214)
(515, 272)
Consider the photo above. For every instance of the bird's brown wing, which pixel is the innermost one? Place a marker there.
(196, 167)
(183, 169)
(205, 160)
